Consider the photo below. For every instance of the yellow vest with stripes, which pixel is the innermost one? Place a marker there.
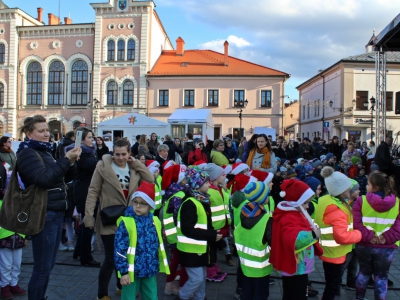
(253, 254)
(270, 206)
(158, 189)
(219, 208)
(168, 220)
(130, 225)
(379, 222)
(237, 211)
(189, 245)
(328, 243)
(4, 233)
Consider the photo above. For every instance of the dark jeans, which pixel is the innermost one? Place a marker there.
(44, 247)
(332, 280)
(108, 267)
(255, 288)
(83, 244)
(295, 287)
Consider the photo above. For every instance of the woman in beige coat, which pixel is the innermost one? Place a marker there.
(114, 181)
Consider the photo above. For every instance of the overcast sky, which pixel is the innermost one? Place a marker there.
(298, 37)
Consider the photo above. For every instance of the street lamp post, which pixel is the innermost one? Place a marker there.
(241, 104)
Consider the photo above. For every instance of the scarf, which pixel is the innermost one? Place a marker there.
(200, 196)
(266, 164)
(252, 210)
(36, 145)
(7, 149)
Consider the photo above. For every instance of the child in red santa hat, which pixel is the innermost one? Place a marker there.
(294, 239)
(154, 168)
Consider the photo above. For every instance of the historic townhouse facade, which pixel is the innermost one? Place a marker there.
(77, 73)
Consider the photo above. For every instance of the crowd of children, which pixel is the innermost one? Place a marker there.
(306, 209)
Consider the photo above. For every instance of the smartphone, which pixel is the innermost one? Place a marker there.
(78, 138)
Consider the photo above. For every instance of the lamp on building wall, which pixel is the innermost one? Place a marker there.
(372, 108)
(241, 104)
(94, 105)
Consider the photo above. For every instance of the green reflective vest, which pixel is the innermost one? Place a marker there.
(314, 203)
(158, 189)
(328, 243)
(219, 208)
(186, 244)
(236, 213)
(130, 225)
(168, 220)
(270, 206)
(379, 222)
(4, 233)
(253, 254)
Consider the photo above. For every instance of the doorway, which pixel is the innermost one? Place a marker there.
(217, 132)
(118, 134)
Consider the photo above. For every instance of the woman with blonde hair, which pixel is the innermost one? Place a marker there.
(143, 149)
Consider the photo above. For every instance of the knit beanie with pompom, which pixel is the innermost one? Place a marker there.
(336, 182)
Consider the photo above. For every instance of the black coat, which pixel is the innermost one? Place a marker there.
(61, 147)
(288, 154)
(188, 221)
(49, 175)
(134, 149)
(85, 169)
(336, 150)
(172, 148)
(382, 157)
(102, 151)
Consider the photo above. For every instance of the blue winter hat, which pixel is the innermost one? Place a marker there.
(312, 182)
(308, 168)
(328, 156)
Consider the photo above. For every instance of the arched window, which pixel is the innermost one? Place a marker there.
(128, 92)
(56, 83)
(111, 50)
(112, 93)
(131, 50)
(1, 94)
(121, 50)
(34, 84)
(2, 53)
(79, 83)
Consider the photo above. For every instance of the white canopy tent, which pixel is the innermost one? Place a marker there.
(131, 125)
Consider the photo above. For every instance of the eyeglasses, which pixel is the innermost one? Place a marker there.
(140, 204)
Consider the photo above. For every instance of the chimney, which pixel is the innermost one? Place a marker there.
(53, 20)
(67, 21)
(180, 46)
(40, 14)
(226, 60)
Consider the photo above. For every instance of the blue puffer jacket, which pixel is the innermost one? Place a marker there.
(230, 153)
(49, 175)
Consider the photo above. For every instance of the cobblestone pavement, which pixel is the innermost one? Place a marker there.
(71, 281)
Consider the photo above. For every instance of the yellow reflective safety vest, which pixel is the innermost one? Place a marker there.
(314, 203)
(236, 213)
(168, 220)
(253, 254)
(328, 243)
(189, 245)
(219, 208)
(158, 189)
(379, 222)
(130, 225)
(4, 233)
(270, 206)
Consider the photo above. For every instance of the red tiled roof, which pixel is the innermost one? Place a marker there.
(207, 63)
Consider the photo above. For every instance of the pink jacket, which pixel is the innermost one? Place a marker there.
(380, 205)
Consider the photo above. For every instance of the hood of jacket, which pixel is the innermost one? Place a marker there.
(66, 142)
(381, 204)
(249, 223)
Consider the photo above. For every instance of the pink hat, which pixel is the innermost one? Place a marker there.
(239, 167)
(146, 191)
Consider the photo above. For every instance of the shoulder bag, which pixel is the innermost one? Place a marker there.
(23, 210)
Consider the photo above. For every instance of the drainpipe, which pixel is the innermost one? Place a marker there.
(323, 105)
